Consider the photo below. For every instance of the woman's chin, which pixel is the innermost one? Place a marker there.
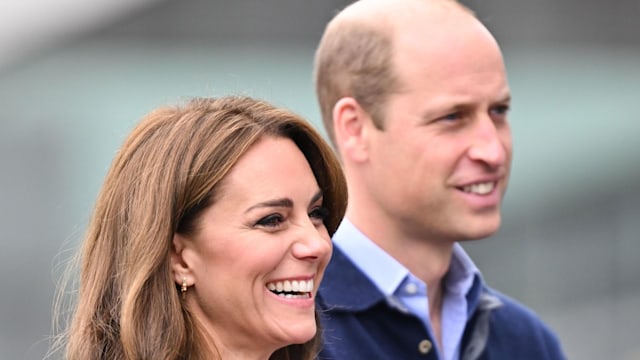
(300, 334)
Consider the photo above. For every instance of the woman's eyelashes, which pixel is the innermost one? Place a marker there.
(318, 214)
(270, 221)
(275, 221)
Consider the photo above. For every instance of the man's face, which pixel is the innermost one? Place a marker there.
(440, 166)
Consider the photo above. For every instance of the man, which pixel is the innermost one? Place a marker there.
(414, 96)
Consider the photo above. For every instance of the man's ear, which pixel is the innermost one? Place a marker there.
(352, 126)
(179, 265)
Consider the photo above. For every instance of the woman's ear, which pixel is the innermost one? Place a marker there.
(351, 126)
(179, 266)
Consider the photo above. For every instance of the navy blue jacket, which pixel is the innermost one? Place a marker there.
(359, 322)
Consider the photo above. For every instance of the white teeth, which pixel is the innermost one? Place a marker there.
(292, 296)
(480, 188)
(288, 286)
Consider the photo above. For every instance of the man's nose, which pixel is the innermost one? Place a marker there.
(491, 143)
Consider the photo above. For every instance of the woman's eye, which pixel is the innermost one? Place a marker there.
(272, 220)
(319, 213)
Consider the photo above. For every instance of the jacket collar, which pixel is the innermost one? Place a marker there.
(346, 287)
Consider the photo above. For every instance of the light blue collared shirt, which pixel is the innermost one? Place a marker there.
(407, 292)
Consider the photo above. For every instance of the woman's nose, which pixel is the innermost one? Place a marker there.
(313, 243)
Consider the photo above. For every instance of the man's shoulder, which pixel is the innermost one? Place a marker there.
(511, 311)
(516, 326)
(344, 286)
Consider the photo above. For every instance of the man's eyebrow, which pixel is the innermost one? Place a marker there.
(505, 99)
(284, 202)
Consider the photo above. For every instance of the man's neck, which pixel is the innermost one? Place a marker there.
(427, 259)
(430, 263)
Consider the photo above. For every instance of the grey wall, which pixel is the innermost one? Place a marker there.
(569, 245)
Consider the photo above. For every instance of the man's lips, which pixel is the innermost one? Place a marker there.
(479, 188)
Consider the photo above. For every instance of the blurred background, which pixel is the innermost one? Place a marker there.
(76, 76)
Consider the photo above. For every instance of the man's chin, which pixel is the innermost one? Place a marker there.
(481, 231)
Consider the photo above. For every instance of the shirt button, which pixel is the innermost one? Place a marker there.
(424, 346)
(411, 288)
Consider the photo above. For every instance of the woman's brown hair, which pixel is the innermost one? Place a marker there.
(164, 176)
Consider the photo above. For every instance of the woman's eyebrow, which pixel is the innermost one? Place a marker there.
(316, 197)
(284, 202)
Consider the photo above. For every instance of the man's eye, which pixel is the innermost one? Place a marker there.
(272, 220)
(500, 110)
(452, 116)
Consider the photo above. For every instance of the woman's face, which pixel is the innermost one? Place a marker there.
(259, 253)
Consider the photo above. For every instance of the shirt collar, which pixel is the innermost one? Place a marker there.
(388, 274)
(360, 287)
(462, 272)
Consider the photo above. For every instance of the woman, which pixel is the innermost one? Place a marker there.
(209, 238)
